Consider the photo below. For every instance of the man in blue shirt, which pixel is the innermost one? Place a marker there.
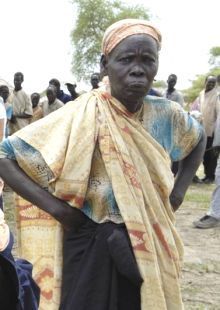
(60, 93)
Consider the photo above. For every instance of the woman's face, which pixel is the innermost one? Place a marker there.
(131, 67)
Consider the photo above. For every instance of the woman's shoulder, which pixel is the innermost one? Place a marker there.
(161, 105)
(160, 101)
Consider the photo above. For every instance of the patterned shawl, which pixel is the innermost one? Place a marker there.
(139, 170)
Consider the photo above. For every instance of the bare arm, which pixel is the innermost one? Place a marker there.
(187, 169)
(22, 115)
(15, 177)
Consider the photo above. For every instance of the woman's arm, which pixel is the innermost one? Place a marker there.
(16, 178)
(186, 171)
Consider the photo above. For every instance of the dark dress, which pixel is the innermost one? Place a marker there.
(18, 290)
(100, 271)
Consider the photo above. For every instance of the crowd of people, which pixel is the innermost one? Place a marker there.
(96, 193)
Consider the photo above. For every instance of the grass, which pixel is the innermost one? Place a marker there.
(198, 196)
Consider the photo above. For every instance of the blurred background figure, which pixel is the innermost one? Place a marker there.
(21, 105)
(37, 110)
(208, 104)
(4, 93)
(60, 93)
(72, 90)
(94, 80)
(171, 93)
(51, 104)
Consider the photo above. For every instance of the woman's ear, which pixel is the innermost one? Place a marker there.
(103, 65)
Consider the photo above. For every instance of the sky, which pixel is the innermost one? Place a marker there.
(35, 39)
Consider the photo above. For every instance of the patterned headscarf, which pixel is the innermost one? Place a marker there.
(125, 28)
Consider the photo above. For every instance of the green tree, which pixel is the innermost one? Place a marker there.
(160, 84)
(214, 59)
(93, 17)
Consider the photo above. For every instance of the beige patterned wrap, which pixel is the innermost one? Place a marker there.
(139, 170)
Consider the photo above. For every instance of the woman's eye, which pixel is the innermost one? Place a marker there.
(125, 59)
(149, 59)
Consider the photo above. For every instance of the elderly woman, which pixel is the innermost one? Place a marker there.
(102, 177)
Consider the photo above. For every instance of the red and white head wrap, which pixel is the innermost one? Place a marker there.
(125, 28)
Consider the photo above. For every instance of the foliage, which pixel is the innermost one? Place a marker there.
(192, 93)
(214, 56)
(160, 84)
(93, 17)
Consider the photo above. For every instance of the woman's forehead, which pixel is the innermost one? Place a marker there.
(143, 41)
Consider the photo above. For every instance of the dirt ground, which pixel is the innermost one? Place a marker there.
(201, 270)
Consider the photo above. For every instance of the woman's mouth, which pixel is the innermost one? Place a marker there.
(137, 86)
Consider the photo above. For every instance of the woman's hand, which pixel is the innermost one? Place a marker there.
(68, 216)
(176, 199)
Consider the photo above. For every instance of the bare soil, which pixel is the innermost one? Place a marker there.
(201, 271)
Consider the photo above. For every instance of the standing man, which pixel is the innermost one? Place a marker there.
(94, 80)
(171, 93)
(212, 218)
(60, 93)
(21, 105)
(4, 93)
(208, 104)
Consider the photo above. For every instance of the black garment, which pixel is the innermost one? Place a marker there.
(100, 271)
(209, 160)
(8, 292)
(18, 290)
(175, 167)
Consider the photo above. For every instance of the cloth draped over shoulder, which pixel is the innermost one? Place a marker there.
(139, 170)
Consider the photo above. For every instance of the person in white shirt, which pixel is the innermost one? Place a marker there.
(21, 105)
(3, 119)
(171, 93)
(52, 103)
